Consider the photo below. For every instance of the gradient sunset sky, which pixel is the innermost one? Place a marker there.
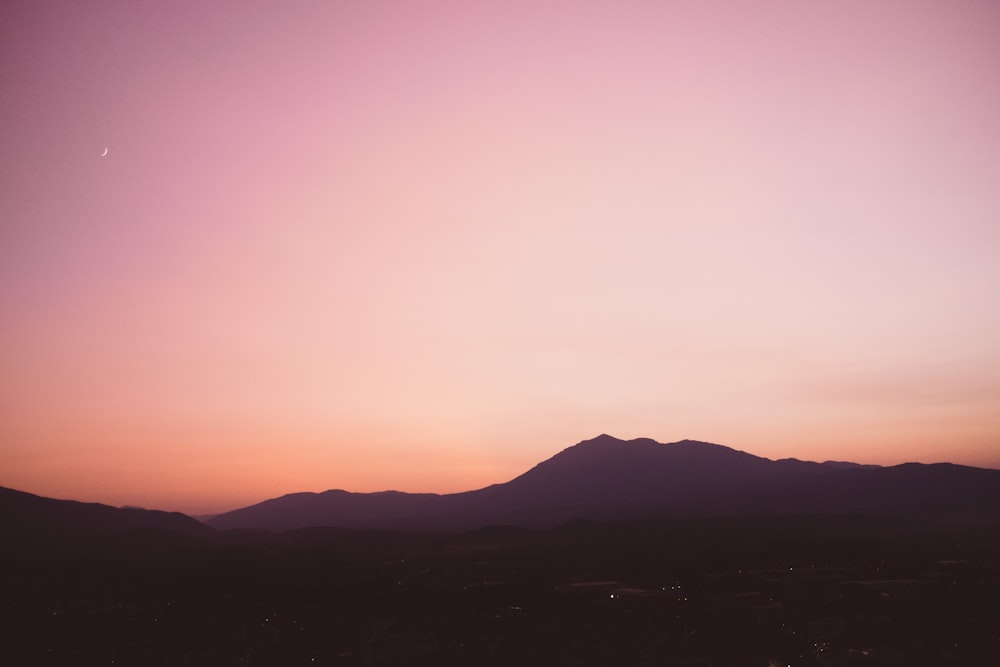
(425, 245)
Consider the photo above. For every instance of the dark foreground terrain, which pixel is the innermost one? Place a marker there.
(818, 590)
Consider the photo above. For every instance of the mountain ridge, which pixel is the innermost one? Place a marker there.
(606, 478)
(600, 479)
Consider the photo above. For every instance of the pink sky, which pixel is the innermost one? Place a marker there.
(425, 245)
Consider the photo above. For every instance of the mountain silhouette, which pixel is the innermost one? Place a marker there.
(609, 479)
(37, 526)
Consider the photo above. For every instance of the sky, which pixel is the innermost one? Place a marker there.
(424, 245)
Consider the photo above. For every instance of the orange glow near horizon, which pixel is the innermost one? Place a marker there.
(426, 246)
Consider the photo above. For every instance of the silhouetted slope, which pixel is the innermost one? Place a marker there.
(608, 478)
(33, 524)
(333, 508)
(939, 490)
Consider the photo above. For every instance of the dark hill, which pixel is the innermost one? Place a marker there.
(606, 479)
(38, 526)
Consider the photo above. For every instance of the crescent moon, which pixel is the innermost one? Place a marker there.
(105, 153)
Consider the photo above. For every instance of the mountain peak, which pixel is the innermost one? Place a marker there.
(605, 439)
(602, 439)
